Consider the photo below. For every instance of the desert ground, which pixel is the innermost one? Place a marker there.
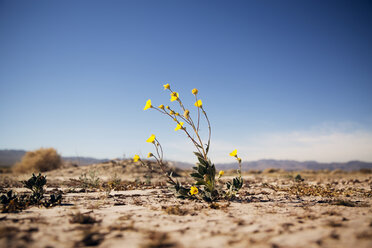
(121, 204)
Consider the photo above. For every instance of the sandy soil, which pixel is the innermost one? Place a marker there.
(327, 209)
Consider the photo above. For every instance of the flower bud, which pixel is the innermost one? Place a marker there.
(186, 114)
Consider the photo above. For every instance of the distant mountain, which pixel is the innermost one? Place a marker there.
(296, 165)
(285, 165)
(10, 157)
(84, 160)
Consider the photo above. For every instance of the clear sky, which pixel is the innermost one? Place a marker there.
(279, 79)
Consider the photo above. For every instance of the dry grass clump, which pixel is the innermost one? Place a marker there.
(43, 159)
(175, 210)
(80, 218)
(159, 240)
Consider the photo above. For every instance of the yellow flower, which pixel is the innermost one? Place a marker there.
(167, 107)
(166, 86)
(161, 106)
(194, 91)
(151, 139)
(149, 155)
(171, 112)
(199, 104)
(221, 173)
(194, 190)
(234, 153)
(148, 105)
(186, 114)
(240, 160)
(174, 96)
(136, 158)
(179, 126)
(176, 114)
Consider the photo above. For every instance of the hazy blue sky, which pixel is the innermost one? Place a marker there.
(279, 79)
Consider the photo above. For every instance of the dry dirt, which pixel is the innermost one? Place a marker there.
(326, 209)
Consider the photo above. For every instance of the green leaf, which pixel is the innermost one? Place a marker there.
(211, 171)
(202, 169)
(203, 162)
(235, 181)
(199, 155)
(197, 175)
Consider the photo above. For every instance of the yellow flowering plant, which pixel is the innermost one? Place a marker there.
(237, 183)
(204, 173)
(158, 157)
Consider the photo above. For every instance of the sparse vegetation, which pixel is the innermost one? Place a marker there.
(41, 160)
(13, 203)
(36, 185)
(89, 180)
(114, 182)
(272, 206)
(298, 178)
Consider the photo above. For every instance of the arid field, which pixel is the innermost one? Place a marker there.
(121, 204)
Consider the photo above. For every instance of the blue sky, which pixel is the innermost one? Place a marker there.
(279, 79)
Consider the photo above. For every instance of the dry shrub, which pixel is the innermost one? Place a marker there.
(80, 218)
(175, 210)
(270, 170)
(44, 159)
